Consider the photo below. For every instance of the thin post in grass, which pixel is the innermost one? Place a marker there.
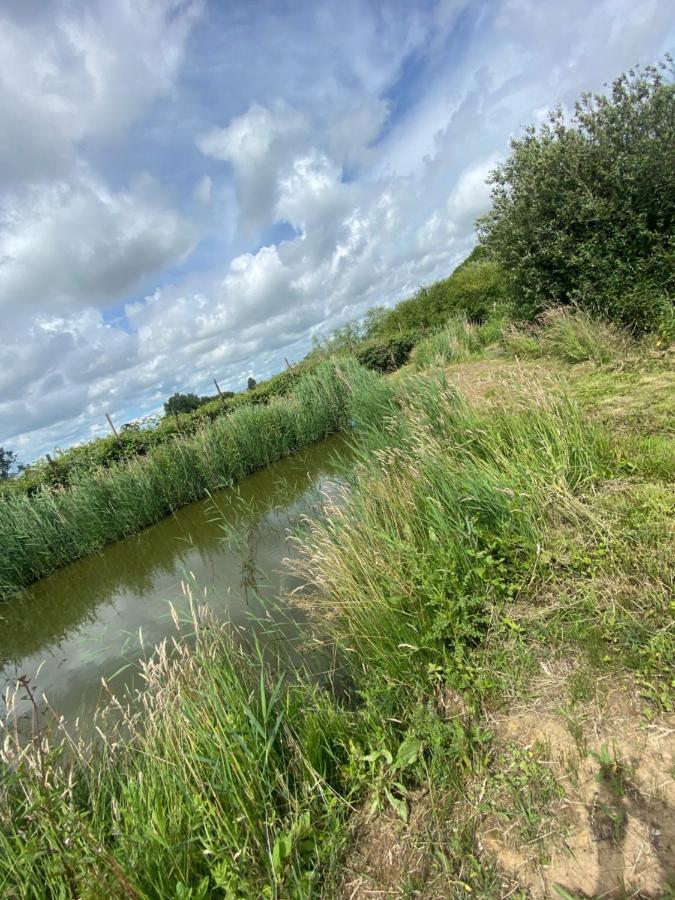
(110, 422)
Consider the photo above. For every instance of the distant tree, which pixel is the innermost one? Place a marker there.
(251, 383)
(181, 403)
(583, 210)
(8, 460)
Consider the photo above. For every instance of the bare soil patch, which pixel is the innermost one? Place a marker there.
(614, 829)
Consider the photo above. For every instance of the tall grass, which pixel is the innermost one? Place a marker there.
(458, 341)
(442, 524)
(219, 785)
(572, 336)
(230, 781)
(39, 533)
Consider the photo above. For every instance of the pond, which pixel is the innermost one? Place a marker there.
(94, 619)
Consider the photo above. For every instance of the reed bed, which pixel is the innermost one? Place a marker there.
(442, 524)
(49, 529)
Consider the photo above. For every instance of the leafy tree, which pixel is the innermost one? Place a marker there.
(584, 212)
(251, 383)
(181, 403)
(375, 321)
(8, 460)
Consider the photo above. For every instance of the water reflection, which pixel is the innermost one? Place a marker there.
(92, 619)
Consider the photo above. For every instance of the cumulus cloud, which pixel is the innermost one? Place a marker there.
(80, 71)
(203, 189)
(257, 144)
(357, 166)
(83, 245)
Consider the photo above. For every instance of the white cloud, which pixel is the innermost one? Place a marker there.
(82, 71)
(82, 245)
(470, 197)
(257, 144)
(203, 189)
(371, 137)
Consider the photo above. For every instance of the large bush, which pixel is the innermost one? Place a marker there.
(584, 212)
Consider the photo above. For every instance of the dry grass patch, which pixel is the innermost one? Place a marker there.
(632, 401)
(496, 381)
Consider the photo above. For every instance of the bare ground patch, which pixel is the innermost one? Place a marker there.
(429, 858)
(577, 805)
(612, 831)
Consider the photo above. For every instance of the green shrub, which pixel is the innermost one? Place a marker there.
(474, 291)
(182, 403)
(585, 212)
(386, 355)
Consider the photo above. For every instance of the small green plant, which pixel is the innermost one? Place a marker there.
(612, 772)
(524, 791)
(385, 774)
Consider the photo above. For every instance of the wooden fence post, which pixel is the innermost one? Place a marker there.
(110, 422)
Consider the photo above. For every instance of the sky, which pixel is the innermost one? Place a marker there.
(195, 189)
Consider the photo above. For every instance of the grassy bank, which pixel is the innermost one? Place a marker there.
(49, 528)
(505, 546)
(382, 342)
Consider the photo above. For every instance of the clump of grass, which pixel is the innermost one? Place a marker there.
(458, 341)
(571, 336)
(221, 784)
(441, 526)
(612, 772)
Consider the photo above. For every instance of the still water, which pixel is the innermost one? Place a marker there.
(95, 618)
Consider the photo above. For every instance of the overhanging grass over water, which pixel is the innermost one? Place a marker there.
(219, 787)
(443, 525)
(42, 532)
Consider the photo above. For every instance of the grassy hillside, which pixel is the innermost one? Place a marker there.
(497, 581)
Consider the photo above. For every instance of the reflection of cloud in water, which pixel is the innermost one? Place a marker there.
(84, 620)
